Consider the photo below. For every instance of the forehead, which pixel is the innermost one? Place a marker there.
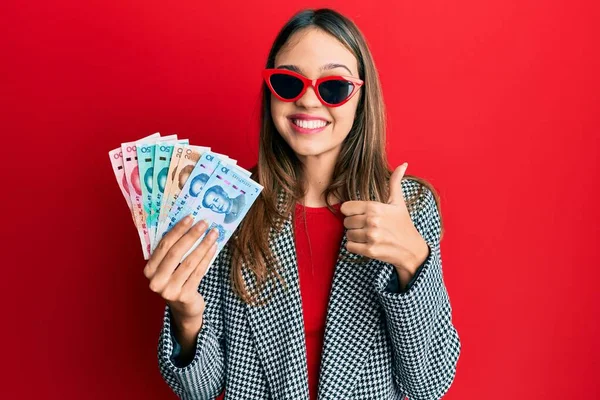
(311, 48)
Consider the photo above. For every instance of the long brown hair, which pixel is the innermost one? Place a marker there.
(361, 168)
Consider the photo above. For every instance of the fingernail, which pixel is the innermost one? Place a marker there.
(187, 219)
(201, 225)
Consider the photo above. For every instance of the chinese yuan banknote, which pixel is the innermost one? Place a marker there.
(162, 159)
(187, 161)
(145, 157)
(132, 178)
(177, 153)
(116, 160)
(225, 199)
(186, 201)
(163, 179)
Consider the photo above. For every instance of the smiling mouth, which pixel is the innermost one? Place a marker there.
(310, 124)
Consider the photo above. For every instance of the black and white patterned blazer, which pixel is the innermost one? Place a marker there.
(378, 344)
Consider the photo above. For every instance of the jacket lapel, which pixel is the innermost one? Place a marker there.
(278, 326)
(353, 315)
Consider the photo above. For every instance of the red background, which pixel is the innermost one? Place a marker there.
(495, 102)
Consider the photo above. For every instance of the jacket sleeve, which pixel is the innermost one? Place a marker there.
(393, 285)
(203, 376)
(425, 343)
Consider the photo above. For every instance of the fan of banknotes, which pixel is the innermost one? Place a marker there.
(163, 179)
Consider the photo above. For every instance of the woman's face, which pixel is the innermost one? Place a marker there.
(314, 54)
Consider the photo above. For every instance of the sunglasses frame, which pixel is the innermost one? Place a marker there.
(314, 83)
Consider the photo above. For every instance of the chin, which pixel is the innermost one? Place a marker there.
(307, 153)
(310, 151)
(307, 145)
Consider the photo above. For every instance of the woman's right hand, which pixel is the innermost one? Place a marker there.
(178, 283)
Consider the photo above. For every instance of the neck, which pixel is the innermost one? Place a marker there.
(318, 174)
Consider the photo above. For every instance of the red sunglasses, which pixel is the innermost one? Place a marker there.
(332, 91)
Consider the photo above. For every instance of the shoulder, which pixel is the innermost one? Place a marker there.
(417, 193)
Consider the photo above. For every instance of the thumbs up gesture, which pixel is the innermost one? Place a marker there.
(385, 231)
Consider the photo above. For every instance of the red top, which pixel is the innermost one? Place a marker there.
(318, 235)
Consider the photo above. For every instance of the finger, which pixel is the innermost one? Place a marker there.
(354, 207)
(173, 257)
(357, 235)
(185, 269)
(209, 250)
(358, 248)
(165, 245)
(396, 196)
(355, 221)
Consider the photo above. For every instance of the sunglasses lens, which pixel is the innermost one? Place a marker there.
(335, 91)
(286, 86)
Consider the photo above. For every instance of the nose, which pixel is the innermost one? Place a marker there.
(309, 99)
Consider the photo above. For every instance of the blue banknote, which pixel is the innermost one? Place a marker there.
(224, 201)
(187, 199)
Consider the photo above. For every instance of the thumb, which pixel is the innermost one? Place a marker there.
(396, 196)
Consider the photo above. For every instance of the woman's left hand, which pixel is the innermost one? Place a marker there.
(385, 231)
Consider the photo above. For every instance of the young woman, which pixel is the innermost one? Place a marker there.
(332, 285)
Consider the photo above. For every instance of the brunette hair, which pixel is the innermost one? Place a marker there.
(361, 168)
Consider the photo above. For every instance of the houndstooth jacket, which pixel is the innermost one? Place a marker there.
(378, 344)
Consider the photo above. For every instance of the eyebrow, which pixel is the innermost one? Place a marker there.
(323, 68)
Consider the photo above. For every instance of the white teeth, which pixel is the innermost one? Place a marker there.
(312, 124)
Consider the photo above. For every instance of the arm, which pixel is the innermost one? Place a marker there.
(425, 344)
(199, 375)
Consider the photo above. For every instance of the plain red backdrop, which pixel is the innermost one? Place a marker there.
(495, 102)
